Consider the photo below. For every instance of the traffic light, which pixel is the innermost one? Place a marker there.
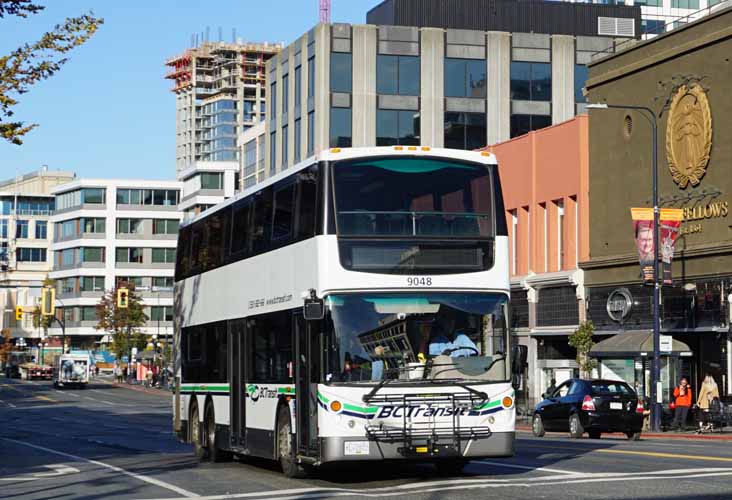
(48, 301)
(18, 313)
(123, 298)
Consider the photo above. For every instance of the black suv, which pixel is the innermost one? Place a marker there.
(592, 406)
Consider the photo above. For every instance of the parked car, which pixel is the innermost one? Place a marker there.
(592, 406)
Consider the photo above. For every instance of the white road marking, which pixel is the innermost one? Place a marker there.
(524, 467)
(56, 470)
(467, 484)
(9, 404)
(147, 479)
(68, 393)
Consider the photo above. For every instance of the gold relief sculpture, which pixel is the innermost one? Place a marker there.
(689, 135)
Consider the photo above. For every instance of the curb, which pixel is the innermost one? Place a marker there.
(155, 392)
(657, 436)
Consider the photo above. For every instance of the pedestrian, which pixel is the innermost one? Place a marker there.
(682, 394)
(708, 391)
(124, 372)
(149, 377)
(552, 387)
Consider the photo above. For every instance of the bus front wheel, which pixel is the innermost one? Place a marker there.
(285, 454)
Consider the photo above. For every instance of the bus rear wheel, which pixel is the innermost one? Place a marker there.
(215, 454)
(285, 454)
(196, 435)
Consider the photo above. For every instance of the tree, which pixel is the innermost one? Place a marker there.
(6, 345)
(581, 340)
(36, 61)
(122, 322)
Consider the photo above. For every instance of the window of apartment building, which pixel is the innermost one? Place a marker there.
(4, 251)
(161, 313)
(4, 228)
(66, 257)
(92, 254)
(580, 78)
(311, 133)
(649, 3)
(685, 4)
(66, 229)
(465, 130)
(162, 284)
(129, 255)
(21, 228)
(212, 180)
(340, 128)
(30, 255)
(33, 206)
(397, 127)
(93, 196)
(41, 229)
(129, 226)
(519, 309)
(134, 282)
(531, 81)
(465, 78)
(285, 93)
(341, 72)
(273, 98)
(163, 255)
(523, 124)
(311, 77)
(95, 225)
(6, 206)
(162, 197)
(165, 226)
(397, 75)
(250, 158)
(285, 137)
(652, 26)
(557, 306)
(92, 283)
(66, 285)
(260, 154)
(272, 153)
(298, 135)
(298, 86)
(88, 313)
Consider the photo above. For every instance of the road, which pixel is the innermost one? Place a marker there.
(116, 443)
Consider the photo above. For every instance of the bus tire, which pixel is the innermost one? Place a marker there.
(285, 453)
(215, 454)
(197, 435)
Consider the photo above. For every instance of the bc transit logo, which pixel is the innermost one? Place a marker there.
(420, 411)
(253, 392)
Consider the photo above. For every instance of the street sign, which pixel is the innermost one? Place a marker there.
(134, 351)
(666, 343)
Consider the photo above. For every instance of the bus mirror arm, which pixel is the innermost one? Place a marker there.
(519, 354)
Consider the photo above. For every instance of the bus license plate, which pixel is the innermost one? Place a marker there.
(614, 405)
(356, 448)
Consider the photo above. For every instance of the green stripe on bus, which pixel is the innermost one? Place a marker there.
(204, 387)
(285, 390)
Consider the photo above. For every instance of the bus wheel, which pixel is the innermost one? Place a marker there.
(196, 435)
(284, 446)
(215, 454)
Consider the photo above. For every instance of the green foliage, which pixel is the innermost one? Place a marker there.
(581, 340)
(40, 321)
(36, 61)
(121, 322)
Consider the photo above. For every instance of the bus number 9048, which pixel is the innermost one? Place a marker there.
(419, 281)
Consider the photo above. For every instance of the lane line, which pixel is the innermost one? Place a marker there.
(45, 398)
(656, 454)
(67, 393)
(468, 484)
(140, 477)
(524, 467)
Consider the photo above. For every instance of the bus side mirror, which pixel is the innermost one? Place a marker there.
(313, 309)
(519, 354)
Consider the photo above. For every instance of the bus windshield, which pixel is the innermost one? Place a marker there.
(417, 197)
(372, 337)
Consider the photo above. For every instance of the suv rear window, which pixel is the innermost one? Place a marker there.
(611, 388)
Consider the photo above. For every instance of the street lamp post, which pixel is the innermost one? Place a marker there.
(650, 115)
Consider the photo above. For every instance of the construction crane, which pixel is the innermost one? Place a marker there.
(325, 11)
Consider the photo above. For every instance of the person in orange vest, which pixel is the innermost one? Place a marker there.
(682, 393)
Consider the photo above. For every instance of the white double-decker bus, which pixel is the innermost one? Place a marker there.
(353, 307)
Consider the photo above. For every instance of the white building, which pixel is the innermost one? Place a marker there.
(114, 230)
(26, 204)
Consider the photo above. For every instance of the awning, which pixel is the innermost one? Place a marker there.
(633, 344)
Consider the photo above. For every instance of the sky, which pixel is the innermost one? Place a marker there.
(109, 112)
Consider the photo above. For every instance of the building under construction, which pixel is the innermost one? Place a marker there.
(219, 91)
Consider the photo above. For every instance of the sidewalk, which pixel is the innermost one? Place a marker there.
(133, 387)
(688, 435)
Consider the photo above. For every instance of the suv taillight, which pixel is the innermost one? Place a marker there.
(588, 404)
(639, 408)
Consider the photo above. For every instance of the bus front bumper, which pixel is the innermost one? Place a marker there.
(339, 449)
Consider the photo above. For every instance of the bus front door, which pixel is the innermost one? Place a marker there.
(307, 334)
(237, 387)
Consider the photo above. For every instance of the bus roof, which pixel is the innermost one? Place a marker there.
(335, 154)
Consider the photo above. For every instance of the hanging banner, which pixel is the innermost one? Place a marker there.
(670, 222)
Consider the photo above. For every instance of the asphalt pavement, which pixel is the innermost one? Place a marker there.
(116, 442)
